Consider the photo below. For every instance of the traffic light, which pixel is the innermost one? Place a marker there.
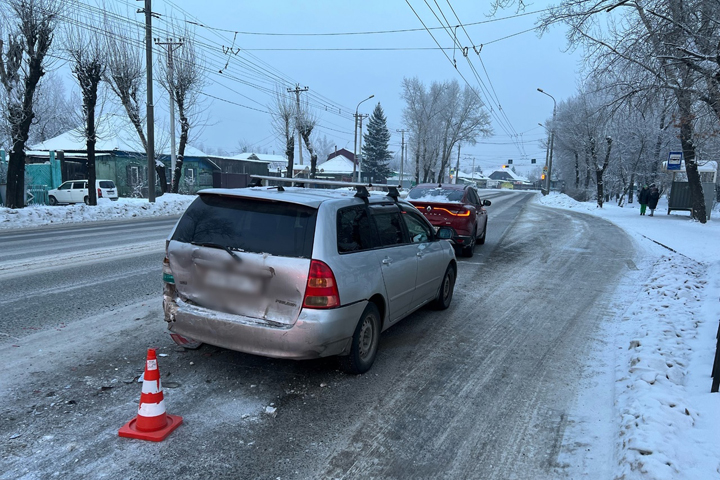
(532, 161)
(510, 161)
(542, 177)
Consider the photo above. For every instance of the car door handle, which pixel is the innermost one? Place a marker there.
(420, 254)
(387, 261)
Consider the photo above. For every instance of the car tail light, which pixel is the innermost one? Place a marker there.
(99, 193)
(463, 212)
(321, 291)
(167, 273)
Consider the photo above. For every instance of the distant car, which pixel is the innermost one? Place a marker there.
(301, 273)
(456, 206)
(75, 191)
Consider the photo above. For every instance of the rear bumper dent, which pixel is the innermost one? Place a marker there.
(316, 333)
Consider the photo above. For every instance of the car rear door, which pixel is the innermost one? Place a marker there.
(397, 258)
(78, 191)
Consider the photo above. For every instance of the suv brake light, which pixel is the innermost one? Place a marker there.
(321, 290)
(99, 193)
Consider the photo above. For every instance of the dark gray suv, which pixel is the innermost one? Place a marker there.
(301, 272)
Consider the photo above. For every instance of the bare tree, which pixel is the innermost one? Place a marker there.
(307, 122)
(183, 79)
(125, 74)
(88, 66)
(283, 117)
(22, 64)
(438, 119)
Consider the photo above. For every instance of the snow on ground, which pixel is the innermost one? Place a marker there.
(36, 215)
(664, 345)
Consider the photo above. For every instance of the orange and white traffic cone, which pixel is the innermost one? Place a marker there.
(151, 422)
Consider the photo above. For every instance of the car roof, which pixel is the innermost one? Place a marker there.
(449, 186)
(310, 197)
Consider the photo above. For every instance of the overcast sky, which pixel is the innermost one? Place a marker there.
(338, 79)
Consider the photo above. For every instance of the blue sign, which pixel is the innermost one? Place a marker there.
(675, 161)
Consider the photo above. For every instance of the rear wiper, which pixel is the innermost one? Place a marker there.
(217, 245)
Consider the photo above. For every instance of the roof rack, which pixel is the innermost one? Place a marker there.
(362, 188)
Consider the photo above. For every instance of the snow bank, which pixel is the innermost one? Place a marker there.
(167, 204)
(664, 345)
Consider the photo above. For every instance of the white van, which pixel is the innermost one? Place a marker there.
(75, 191)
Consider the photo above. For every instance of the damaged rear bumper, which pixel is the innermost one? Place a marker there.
(316, 333)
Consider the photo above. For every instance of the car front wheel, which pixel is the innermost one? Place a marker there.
(445, 294)
(365, 340)
(52, 200)
(481, 240)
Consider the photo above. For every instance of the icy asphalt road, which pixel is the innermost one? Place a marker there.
(483, 390)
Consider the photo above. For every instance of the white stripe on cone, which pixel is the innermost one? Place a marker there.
(151, 409)
(152, 386)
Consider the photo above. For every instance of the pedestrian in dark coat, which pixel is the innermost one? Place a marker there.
(643, 198)
(653, 197)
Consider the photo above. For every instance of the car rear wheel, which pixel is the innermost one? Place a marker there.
(445, 294)
(365, 340)
(469, 250)
(86, 200)
(52, 200)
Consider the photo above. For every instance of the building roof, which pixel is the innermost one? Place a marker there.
(343, 152)
(115, 132)
(513, 176)
(263, 157)
(236, 159)
(338, 164)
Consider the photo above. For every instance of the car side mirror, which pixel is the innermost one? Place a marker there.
(486, 203)
(445, 233)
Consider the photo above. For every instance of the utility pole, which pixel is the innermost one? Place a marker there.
(402, 153)
(354, 175)
(150, 112)
(297, 91)
(171, 46)
(457, 165)
(360, 119)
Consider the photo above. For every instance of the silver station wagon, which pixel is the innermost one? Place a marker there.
(302, 273)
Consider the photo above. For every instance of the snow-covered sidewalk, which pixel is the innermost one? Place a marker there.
(33, 216)
(662, 346)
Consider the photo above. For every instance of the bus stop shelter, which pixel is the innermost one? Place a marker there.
(679, 198)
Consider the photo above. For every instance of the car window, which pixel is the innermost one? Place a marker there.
(106, 184)
(436, 194)
(419, 230)
(250, 225)
(472, 197)
(65, 186)
(354, 230)
(78, 185)
(388, 222)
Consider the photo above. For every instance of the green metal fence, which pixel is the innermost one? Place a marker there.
(37, 195)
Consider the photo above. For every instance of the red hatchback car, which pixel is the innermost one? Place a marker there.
(456, 206)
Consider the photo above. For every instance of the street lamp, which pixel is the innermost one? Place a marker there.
(355, 152)
(552, 141)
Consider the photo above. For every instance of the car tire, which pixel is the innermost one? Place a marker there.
(364, 344)
(469, 250)
(481, 240)
(52, 200)
(86, 200)
(445, 293)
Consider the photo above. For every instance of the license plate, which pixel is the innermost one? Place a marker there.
(233, 281)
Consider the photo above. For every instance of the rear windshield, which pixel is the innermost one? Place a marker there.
(107, 184)
(436, 194)
(249, 225)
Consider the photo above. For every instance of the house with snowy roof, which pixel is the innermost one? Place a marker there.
(119, 156)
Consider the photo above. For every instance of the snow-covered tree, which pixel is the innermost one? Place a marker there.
(375, 151)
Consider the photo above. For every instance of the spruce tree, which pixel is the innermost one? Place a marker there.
(375, 153)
